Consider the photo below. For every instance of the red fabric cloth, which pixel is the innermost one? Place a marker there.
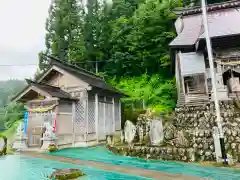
(54, 126)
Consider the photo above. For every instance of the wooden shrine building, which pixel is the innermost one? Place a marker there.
(80, 106)
(190, 57)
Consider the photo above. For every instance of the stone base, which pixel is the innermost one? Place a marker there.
(46, 143)
(86, 144)
(20, 144)
(157, 153)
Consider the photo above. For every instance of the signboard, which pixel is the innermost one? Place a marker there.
(25, 121)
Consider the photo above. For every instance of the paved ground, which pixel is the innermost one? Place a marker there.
(117, 168)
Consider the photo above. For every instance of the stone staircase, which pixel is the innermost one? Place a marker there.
(193, 100)
(181, 99)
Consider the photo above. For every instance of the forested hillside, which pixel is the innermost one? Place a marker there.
(7, 90)
(126, 41)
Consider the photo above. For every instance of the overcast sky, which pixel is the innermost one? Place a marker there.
(22, 32)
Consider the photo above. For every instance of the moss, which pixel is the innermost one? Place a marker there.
(216, 164)
(66, 174)
(52, 148)
(4, 150)
(132, 115)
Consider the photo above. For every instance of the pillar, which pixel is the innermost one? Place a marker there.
(73, 122)
(113, 112)
(86, 118)
(96, 116)
(120, 113)
(104, 114)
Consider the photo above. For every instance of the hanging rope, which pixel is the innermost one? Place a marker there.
(41, 109)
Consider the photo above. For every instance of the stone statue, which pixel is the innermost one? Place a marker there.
(122, 137)
(20, 130)
(156, 132)
(129, 132)
(20, 142)
(109, 140)
(48, 136)
(49, 131)
(169, 132)
(181, 140)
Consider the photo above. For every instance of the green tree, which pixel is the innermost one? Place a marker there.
(63, 30)
(140, 43)
(14, 112)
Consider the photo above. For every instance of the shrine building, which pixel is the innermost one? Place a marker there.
(81, 107)
(190, 58)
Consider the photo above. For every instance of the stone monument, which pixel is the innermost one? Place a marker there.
(156, 132)
(20, 142)
(129, 132)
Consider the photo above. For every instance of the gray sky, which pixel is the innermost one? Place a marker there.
(22, 32)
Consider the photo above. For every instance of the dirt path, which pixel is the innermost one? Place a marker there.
(117, 168)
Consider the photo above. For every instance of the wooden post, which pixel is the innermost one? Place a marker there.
(96, 115)
(182, 78)
(104, 115)
(86, 117)
(113, 118)
(206, 85)
(73, 122)
(120, 114)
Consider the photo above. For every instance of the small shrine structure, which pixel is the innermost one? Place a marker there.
(190, 59)
(69, 106)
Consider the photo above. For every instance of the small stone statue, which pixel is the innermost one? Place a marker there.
(20, 141)
(122, 137)
(49, 131)
(48, 136)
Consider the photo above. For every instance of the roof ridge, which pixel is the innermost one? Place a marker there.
(210, 7)
(47, 85)
(86, 72)
(29, 81)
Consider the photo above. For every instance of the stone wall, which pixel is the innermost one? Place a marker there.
(193, 128)
(187, 137)
(159, 153)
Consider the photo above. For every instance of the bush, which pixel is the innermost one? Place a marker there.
(4, 150)
(66, 174)
(132, 115)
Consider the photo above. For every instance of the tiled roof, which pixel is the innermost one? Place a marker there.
(212, 7)
(88, 77)
(222, 23)
(190, 33)
(52, 90)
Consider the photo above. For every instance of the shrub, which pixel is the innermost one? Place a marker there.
(4, 150)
